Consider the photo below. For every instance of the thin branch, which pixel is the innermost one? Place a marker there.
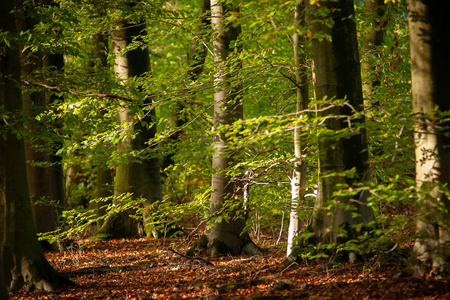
(58, 89)
(290, 79)
(192, 257)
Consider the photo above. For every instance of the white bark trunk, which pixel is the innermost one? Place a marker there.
(298, 181)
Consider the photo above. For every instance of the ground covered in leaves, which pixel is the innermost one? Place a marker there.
(157, 269)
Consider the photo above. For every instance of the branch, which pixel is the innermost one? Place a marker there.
(193, 258)
(58, 89)
(284, 75)
(290, 79)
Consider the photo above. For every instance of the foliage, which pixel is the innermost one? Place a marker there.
(84, 120)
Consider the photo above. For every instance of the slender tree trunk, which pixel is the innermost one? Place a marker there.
(337, 75)
(197, 58)
(104, 189)
(298, 183)
(430, 48)
(373, 38)
(40, 178)
(199, 51)
(226, 236)
(56, 61)
(24, 263)
(74, 179)
(104, 181)
(142, 178)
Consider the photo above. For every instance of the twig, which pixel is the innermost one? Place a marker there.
(290, 265)
(193, 258)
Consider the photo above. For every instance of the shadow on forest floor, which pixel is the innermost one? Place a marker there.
(145, 269)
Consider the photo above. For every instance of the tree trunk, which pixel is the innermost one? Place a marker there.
(104, 189)
(430, 48)
(225, 236)
(40, 178)
(3, 290)
(24, 263)
(104, 181)
(74, 179)
(43, 188)
(56, 60)
(298, 183)
(373, 38)
(138, 176)
(199, 51)
(337, 75)
(196, 62)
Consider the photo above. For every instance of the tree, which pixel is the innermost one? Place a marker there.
(198, 53)
(196, 60)
(429, 31)
(138, 176)
(44, 169)
(24, 263)
(104, 180)
(301, 77)
(337, 76)
(227, 235)
(372, 39)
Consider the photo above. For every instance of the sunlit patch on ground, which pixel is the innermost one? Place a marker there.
(147, 269)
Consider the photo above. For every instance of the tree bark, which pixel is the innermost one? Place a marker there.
(225, 236)
(199, 51)
(196, 61)
(104, 181)
(3, 291)
(141, 177)
(337, 75)
(298, 182)
(43, 184)
(430, 48)
(24, 263)
(373, 38)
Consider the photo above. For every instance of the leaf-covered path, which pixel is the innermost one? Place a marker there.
(149, 269)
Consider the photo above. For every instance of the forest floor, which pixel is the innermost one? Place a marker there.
(151, 269)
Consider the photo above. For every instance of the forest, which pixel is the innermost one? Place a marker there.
(224, 149)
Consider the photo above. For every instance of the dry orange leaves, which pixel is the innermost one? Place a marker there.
(147, 269)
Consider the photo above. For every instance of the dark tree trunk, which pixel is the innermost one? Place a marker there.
(337, 75)
(104, 182)
(3, 289)
(196, 62)
(24, 263)
(43, 181)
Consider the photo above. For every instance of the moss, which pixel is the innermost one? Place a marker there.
(218, 248)
(251, 249)
(203, 242)
(200, 247)
(191, 251)
(105, 232)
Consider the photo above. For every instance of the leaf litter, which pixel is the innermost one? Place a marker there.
(147, 268)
